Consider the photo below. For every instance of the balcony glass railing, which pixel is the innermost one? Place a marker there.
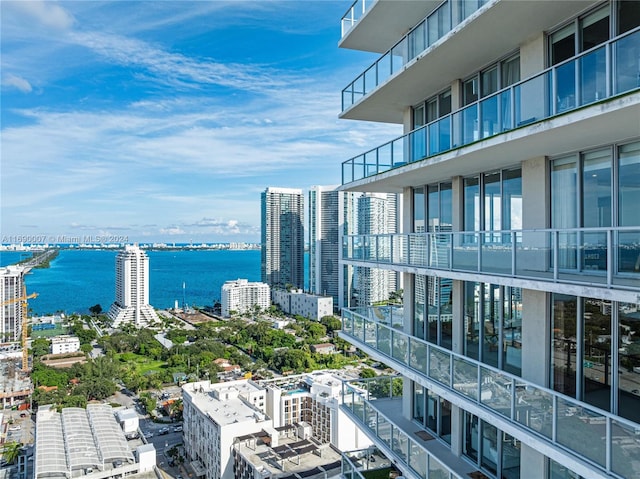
(435, 26)
(561, 420)
(359, 398)
(600, 256)
(598, 74)
(355, 12)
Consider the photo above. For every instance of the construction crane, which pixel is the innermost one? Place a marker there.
(25, 324)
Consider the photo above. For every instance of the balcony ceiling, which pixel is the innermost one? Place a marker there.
(472, 45)
(598, 125)
(384, 23)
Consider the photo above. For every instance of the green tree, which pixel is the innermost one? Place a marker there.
(95, 309)
(11, 451)
(331, 323)
(367, 373)
(40, 347)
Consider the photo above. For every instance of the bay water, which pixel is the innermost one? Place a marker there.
(78, 279)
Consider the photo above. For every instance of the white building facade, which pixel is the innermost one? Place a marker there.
(282, 236)
(241, 296)
(11, 311)
(65, 344)
(297, 302)
(518, 345)
(132, 290)
(214, 416)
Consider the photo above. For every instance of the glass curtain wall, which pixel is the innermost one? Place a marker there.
(432, 412)
(493, 325)
(597, 189)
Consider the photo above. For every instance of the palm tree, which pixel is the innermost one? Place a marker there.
(11, 451)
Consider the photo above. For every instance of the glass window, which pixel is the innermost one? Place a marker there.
(419, 306)
(489, 447)
(629, 361)
(510, 456)
(564, 208)
(471, 319)
(596, 374)
(512, 199)
(628, 15)
(595, 28)
(432, 110)
(445, 420)
(512, 332)
(596, 188)
(489, 81)
(433, 200)
(510, 71)
(418, 402)
(564, 344)
(492, 202)
(563, 44)
(444, 99)
(491, 328)
(471, 436)
(417, 40)
(418, 117)
(628, 201)
(472, 204)
(418, 210)
(470, 91)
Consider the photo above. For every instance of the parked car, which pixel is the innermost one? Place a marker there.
(148, 435)
(177, 428)
(163, 431)
(17, 427)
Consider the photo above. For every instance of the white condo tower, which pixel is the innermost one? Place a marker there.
(132, 289)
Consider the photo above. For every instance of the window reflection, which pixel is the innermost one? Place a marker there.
(564, 346)
(629, 361)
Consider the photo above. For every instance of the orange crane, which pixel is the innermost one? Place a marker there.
(25, 324)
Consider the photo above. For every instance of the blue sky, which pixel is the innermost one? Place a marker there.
(163, 121)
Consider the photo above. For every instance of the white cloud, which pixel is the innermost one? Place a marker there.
(14, 81)
(46, 13)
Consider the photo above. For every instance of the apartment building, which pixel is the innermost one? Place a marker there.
(12, 311)
(241, 296)
(65, 344)
(517, 344)
(282, 237)
(297, 302)
(132, 290)
(214, 416)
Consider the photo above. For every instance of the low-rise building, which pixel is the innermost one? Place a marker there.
(214, 416)
(297, 302)
(86, 443)
(314, 399)
(323, 348)
(242, 296)
(65, 344)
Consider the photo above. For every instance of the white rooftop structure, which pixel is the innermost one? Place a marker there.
(78, 441)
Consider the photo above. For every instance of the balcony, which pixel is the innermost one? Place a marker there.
(600, 258)
(375, 25)
(376, 407)
(542, 418)
(592, 78)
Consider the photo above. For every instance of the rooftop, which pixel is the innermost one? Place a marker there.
(224, 403)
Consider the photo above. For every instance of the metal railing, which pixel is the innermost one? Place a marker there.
(608, 257)
(599, 74)
(561, 420)
(354, 13)
(435, 26)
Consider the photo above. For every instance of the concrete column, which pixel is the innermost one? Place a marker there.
(457, 428)
(457, 328)
(536, 336)
(533, 56)
(456, 95)
(457, 200)
(536, 205)
(533, 462)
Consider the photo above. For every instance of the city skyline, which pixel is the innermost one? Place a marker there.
(127, 121)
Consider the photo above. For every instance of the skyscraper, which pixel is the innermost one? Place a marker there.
(324, 240)
(282, 258)
(132, 289)
(517, 344)
(377, 214)
(11, 308)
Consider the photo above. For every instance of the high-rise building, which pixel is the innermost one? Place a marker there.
(324, 240)
(242, 296)
(282, 258)
(11, 307)
(377, 214)
(132, 290)
(518, 341)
